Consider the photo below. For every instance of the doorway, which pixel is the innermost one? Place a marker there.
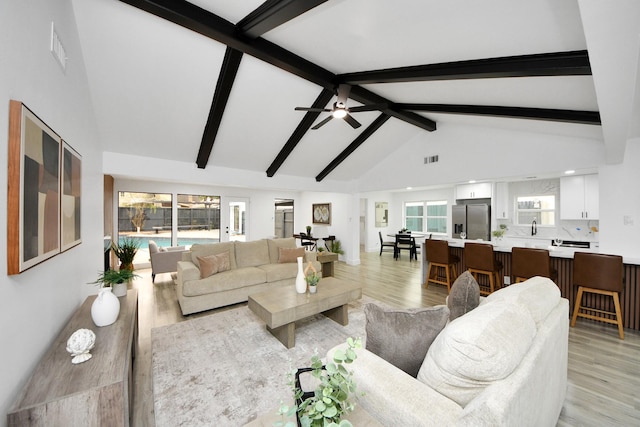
(283, 218)
(234, 219)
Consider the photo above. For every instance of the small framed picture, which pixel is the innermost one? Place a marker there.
(321, 213)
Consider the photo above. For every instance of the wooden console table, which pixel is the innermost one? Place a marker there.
(97, 392)
(326, 259)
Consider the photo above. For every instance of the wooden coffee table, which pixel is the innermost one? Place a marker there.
(281, 307)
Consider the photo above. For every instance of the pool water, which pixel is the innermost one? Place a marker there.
(165, 242)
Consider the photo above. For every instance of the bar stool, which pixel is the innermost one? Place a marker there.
(602, 275)
(527, 263)
(438, 257)
(480, 260)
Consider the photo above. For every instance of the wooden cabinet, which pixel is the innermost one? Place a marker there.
(501, 203)
(579, 197)
(97, 392)
(474, 191)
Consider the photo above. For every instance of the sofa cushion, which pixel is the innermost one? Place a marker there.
(290, 254)
(477, 349)
(213, 249)
(538, 294)
(280, 271)
(252, 254)
(464, 295)
(153, 247)
(276, 244)
(224, 281)
(402, 337)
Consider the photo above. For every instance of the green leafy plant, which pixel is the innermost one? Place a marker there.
(499, 233)
(308, 230)
(336, 247)
(126, 251)
(330, 400)
(109, 278)
(312, 278)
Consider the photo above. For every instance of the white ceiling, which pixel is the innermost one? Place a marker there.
(152, 81)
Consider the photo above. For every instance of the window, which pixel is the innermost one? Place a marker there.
(435, 220)
(413, 216)
(144, 216)
(198, 219)
(437, 217)
(538, 208)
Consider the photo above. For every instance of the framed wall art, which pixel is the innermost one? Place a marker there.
(70, 202)
(321, 213)
(43, 197)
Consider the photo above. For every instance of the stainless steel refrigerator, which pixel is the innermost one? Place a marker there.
(472, 219)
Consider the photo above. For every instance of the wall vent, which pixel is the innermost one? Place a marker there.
(57, 50)
(430, 159)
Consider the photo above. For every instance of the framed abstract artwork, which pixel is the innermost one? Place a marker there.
(70, 202)
(43, 197)
(321, 213)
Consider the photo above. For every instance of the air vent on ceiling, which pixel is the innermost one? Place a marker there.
(430, 159)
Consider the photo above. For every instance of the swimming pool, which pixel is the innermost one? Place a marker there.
(165, 242)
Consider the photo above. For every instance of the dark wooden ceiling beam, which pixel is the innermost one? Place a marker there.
(304, 125)
(273, 13)
(227, 76)
(192, 17)
(549, 114)
(573, 63)
(370, 130)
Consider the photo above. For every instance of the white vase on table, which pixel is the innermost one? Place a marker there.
(105, 308)
(301, 284)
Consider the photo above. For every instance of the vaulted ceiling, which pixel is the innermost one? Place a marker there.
(216, 82)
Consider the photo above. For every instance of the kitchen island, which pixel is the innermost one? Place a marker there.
(562, 261)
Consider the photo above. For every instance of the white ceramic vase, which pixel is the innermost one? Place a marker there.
(105, 308)
(120, 289)
(301, 284)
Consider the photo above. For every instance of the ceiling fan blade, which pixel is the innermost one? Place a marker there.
(370, 107)
(322, 123)
(343, 93)
(313, 110)
(353, 122)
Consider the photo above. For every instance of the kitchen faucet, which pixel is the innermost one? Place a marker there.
(534, 227)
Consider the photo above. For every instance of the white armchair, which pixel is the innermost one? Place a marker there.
(164, 260)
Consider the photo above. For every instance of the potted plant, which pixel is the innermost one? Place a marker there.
(309, 230)
(312, 280)
(116, 280)
(498, 234)
(126, 251)
(329, 403)
(336, 247)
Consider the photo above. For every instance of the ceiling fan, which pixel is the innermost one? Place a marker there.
(340, 110)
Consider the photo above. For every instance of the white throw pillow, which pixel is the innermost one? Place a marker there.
(474, 350)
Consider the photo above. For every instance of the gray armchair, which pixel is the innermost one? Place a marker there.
(164, 260)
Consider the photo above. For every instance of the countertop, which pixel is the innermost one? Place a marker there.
(555, 252)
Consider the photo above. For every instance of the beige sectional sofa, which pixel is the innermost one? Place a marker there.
(253, 267)
(503, 363)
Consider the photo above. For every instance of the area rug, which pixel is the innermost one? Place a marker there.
(226, 369)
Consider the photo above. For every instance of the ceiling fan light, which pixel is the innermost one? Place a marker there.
(339, 113)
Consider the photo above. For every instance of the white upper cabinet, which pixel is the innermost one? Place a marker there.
(502, 200)
(474, 191)
(579, 197)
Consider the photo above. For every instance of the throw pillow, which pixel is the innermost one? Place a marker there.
(478, 349)
(464, 295)
(212, 264)
(290, 255)
(208, 265)
(402, 337)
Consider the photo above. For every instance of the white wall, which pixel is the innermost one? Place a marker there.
(36, 304)
(620, 204)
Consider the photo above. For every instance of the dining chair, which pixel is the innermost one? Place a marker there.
(387, 244)
(404, 242)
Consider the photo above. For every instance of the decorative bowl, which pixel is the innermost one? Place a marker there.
(79, 344)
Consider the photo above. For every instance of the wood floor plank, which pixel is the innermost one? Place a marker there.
(604, 371)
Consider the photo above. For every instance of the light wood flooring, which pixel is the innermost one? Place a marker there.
(604, 371)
